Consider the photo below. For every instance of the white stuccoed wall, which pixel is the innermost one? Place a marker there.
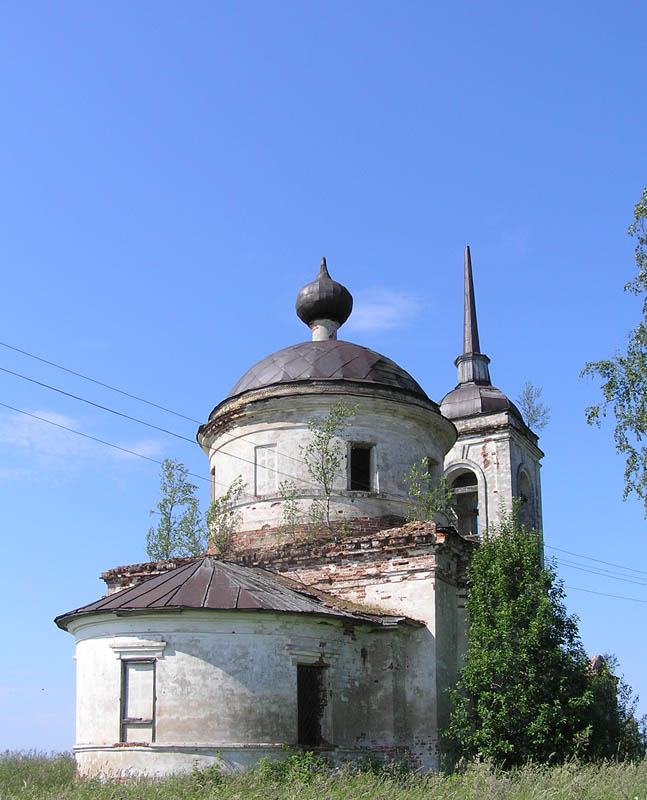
(402, 431)
(226, 688)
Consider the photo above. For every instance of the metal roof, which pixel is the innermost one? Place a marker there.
(326, 361)
(474, 393)
(468, 399)
(208, 583)
(324, 298)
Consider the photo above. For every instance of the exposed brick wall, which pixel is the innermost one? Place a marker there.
(415, 551)
(267, 537)
(343, 568)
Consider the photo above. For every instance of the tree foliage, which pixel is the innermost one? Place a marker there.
(180, 530)
(624, 376)
(291, 515)
(526, 691)
(323, 457)
(428, 495)
(522, 692)
(616, 733)
(535, 413)
(222, 516)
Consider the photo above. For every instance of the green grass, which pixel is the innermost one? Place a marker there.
(34, 776)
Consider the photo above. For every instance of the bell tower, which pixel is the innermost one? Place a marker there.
(495, 457)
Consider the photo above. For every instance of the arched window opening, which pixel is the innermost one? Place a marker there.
(526, 496)
(466, 497)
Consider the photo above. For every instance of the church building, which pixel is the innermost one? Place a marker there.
(342, 639)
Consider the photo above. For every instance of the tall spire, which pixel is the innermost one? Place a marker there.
(470, 325)
(472, 364)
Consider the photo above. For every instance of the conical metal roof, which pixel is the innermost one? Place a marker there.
(208, 583)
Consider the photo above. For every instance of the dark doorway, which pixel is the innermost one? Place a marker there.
(360, 467)
(311, 700)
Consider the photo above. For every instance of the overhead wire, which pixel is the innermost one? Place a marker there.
(590, 558)
(150, 425)
(605, 594)
(602, 573)
(99, 383)
(94, 438)
(129, 417)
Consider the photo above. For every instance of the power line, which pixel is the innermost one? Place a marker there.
(136, 419)
(600, 573)
(98, 405)
(600, 561)
(150, 425)
(96, 439)
(604, 594)
(99, 383)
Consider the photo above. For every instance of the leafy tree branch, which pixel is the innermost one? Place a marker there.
(624, 376)
(535, 413)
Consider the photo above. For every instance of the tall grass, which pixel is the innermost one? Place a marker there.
(34, 776)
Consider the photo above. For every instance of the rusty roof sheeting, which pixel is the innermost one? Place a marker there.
(208, 583)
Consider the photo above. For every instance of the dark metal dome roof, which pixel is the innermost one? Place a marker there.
(329, 360)
(468, 399)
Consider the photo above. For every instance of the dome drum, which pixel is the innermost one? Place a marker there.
(262, 440)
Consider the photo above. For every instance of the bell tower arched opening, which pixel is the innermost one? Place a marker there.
(525, 494)
(464, 486)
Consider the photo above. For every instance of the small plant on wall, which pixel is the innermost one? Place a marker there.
(428, 495)
(324, 457)
(222, 517)
(291, 516)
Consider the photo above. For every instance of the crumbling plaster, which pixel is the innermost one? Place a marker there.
(403, 430)
(497, 448)
(226, 688)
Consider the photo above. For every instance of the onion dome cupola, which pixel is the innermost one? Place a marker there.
(262, 429)
(324, 305)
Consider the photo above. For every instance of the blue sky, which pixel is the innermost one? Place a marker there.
(172, 174)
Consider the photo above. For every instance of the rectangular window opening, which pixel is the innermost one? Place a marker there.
(311, 702)
(265, 470)
(138, 701)
(360, 468)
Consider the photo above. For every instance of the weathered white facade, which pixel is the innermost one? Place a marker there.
(166, 686)
(225, 688)
(261, 437)
(197, 662)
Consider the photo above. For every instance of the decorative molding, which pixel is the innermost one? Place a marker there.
(130, 647)
(305, 655)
